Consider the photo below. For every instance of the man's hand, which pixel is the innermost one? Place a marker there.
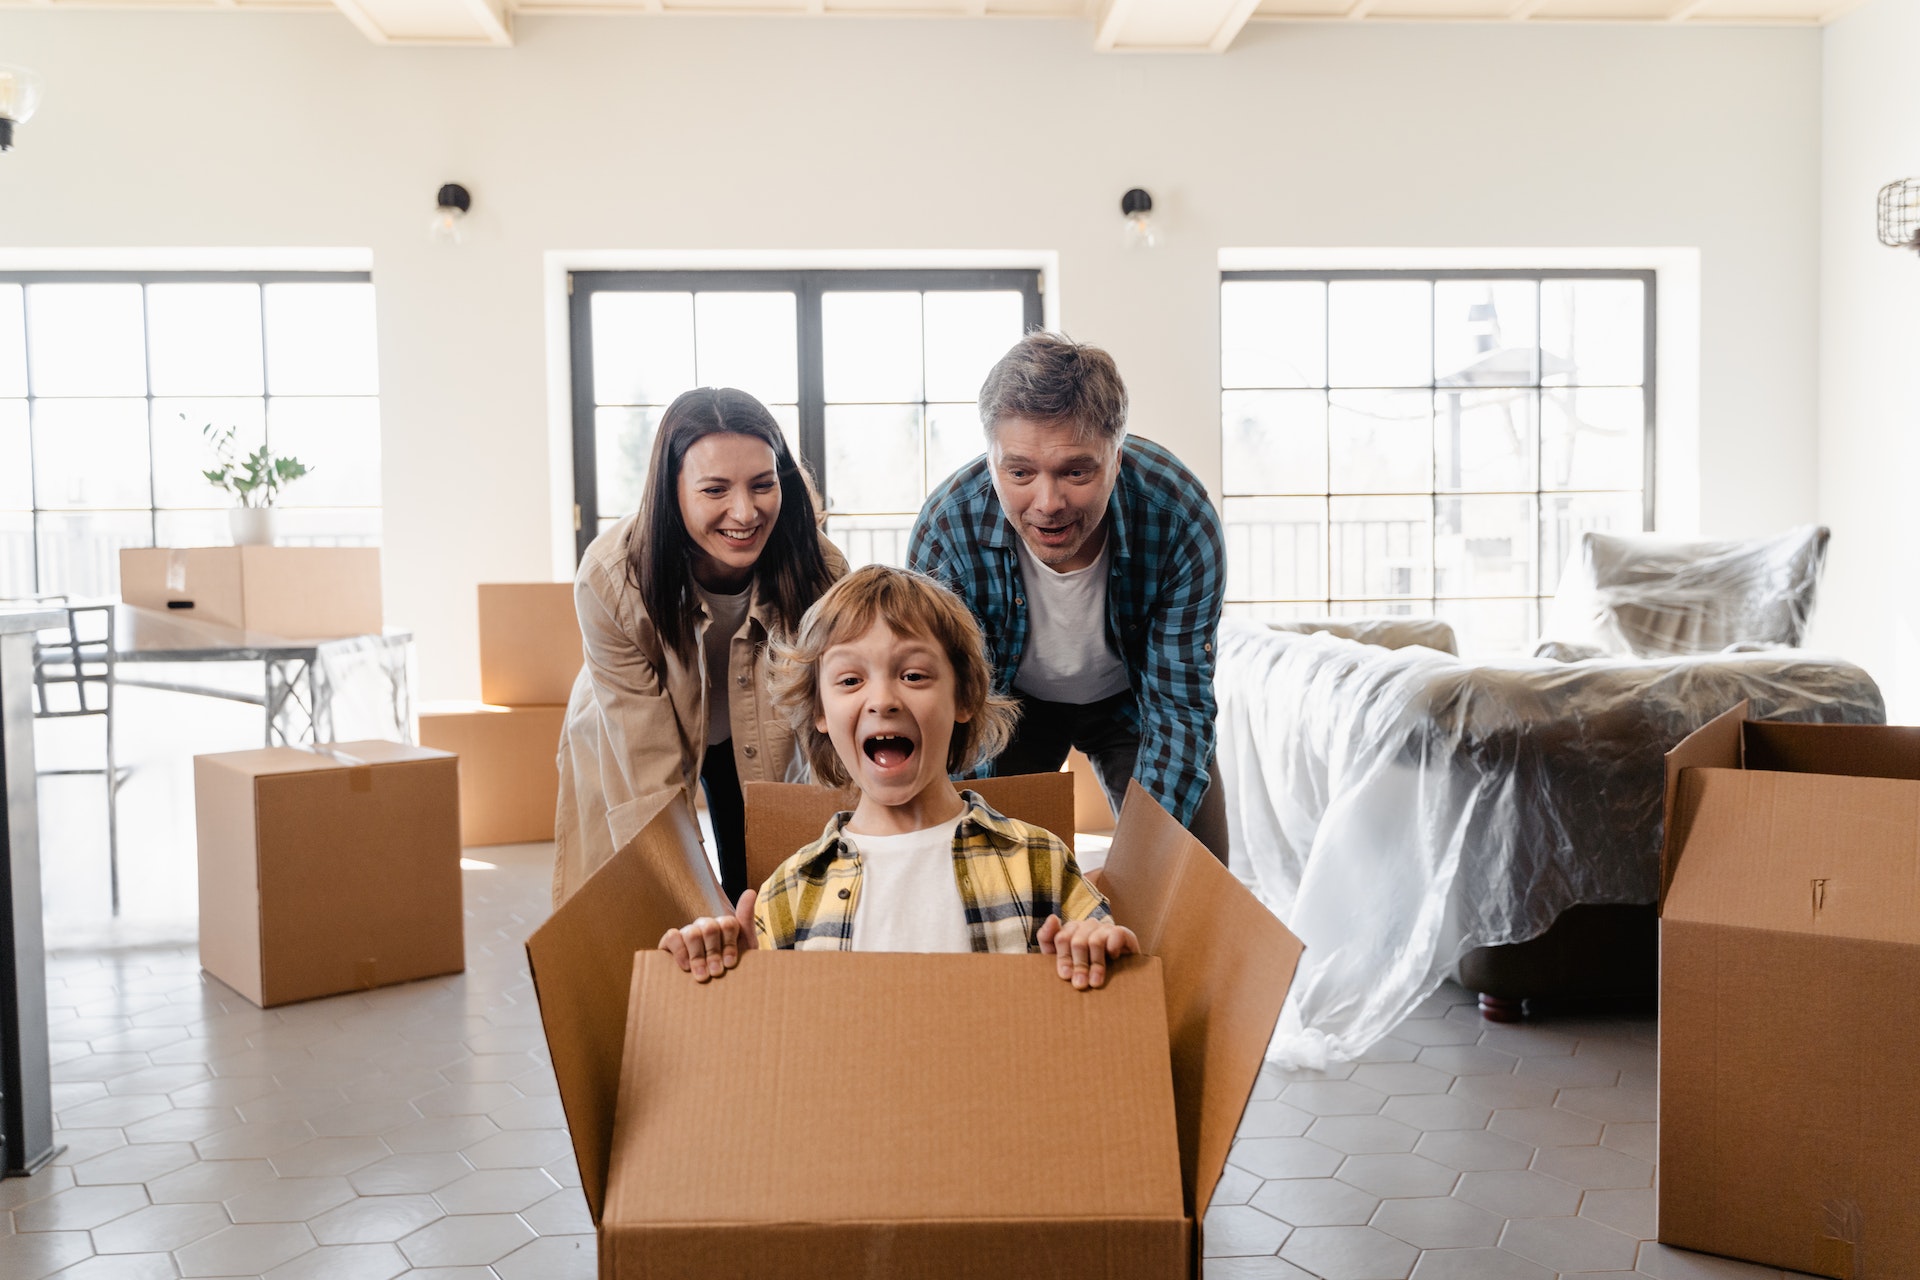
(712, 945)
(1082, 948)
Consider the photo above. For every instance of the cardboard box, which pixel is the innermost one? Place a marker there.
(783, 817)
(329, 870)
(530, 648)
(509, 778)
(1091, 812)
(293, 593)
(1790, 997)
(833, 1115)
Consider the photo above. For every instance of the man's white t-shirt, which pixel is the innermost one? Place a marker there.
(909, 900)
(1068, 657)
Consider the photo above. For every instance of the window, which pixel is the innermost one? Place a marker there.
(107, 379)
(1429, 442)
(873, 375)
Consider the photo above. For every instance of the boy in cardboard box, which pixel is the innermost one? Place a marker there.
(888, 688)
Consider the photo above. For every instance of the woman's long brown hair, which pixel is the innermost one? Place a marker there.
(790, 574)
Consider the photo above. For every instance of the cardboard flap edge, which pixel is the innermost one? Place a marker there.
(581, 961)
(1714, 745)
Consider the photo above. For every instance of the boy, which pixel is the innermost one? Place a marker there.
(888, 687)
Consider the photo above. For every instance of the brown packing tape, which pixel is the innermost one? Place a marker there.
(1228, 964)
(582, 962)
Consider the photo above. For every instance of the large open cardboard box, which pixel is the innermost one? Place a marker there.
(530, 647)
(1790, 997)
(887, 1116)
(328, 870)
(295, 593)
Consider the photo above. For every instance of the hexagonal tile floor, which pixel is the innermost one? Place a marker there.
(414, 1130)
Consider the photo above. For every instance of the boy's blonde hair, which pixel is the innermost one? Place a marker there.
(910, 604)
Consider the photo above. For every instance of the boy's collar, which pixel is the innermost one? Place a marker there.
(978, 812)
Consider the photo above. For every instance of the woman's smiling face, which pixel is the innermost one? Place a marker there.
(729, 501)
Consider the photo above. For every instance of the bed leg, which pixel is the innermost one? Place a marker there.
(1495, 1009)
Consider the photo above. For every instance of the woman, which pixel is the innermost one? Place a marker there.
(677, 603)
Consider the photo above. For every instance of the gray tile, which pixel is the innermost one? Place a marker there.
(1402, 1077)
(1469, 1150)
(498, 1191)
(551, 1258)
(1504, 1092)
(329, 1156)
(1432, 1031)
(1241, 1231)
(440, 1133)
(245, 1141)
(161, 1228)
(1388, 1049)
(1641, 1141)
(1273, 1119)
(376, 1219)
(1315, 1202)
(290, 1104)
(1525, 1041)
(1630, 1210)
(248, 1249)
(1570, 1244)
(1249, 1269)
(466, 1241)
(1593, 1168)
(1439, 1222)
(1545, 1127)
(1666, 1263)
(290, 1200)
(1333, 1098)
(50, 1178)
(468, 1098)
(1235, 1186)
(363, 1119)
(413, 1172)
(1437, 1111)
(210, 1181)
(1398, 1175)
(1569, 1071)
(518, 1149)
(1518, 1193)
(1285, 1157)
(343, 1262)
(79, 1208)
(1616, 1105)
(1467, 1060)
(112, 1112)
(31, 1255)
(138, 1163)
(1349, 1253)
(1477, 1264)
(565, 1212)
(183, 1124)
(122, 1266)
(1363, 1135)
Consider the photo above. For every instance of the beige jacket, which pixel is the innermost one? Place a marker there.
(637, 720)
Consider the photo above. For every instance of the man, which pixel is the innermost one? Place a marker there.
(1096, 566)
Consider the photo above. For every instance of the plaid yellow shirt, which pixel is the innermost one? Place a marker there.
(1011, 876)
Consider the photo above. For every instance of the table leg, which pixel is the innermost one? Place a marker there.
(26, 1089)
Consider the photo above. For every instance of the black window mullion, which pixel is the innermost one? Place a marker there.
(586, 462)
(812, 372)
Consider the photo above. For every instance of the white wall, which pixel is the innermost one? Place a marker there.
(1869, 360)
(610, 134)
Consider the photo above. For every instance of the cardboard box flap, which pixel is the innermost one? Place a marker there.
(1800, 853)
(263, 761)
(833, 1088)
(783, 817)
(1714, 745)
(1228, 963)
(582, 963)
(1848, 750)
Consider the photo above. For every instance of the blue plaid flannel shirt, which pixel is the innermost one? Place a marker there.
(1163, 601)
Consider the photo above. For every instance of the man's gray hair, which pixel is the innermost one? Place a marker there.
(1048, 377)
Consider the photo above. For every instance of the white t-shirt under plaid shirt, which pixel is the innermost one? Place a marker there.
(909, 900)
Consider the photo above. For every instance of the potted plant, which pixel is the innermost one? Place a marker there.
(255, 480)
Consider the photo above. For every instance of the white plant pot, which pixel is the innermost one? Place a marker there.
(251, 526)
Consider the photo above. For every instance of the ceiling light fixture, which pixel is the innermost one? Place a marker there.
(1137, 208)
(1900, 214)
(452, 204)
(19, 95)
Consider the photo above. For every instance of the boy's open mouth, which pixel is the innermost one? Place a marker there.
(887, 750)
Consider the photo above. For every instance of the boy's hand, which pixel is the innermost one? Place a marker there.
(712, 945)
(1083, 948)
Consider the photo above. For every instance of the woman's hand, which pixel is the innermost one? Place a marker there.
(711, 945)
(1083, 948)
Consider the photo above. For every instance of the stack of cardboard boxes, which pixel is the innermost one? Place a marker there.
(508, 742)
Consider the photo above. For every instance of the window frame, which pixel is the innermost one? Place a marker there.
(144, 279)
(807, 286)
(1648, 279)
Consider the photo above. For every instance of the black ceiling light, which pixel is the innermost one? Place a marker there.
(1137, 208)
(450, 207)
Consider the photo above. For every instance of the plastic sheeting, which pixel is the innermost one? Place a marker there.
(1650, 596)
(1398, 808)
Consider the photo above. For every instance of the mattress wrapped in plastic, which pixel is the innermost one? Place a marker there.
(1398, 808)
